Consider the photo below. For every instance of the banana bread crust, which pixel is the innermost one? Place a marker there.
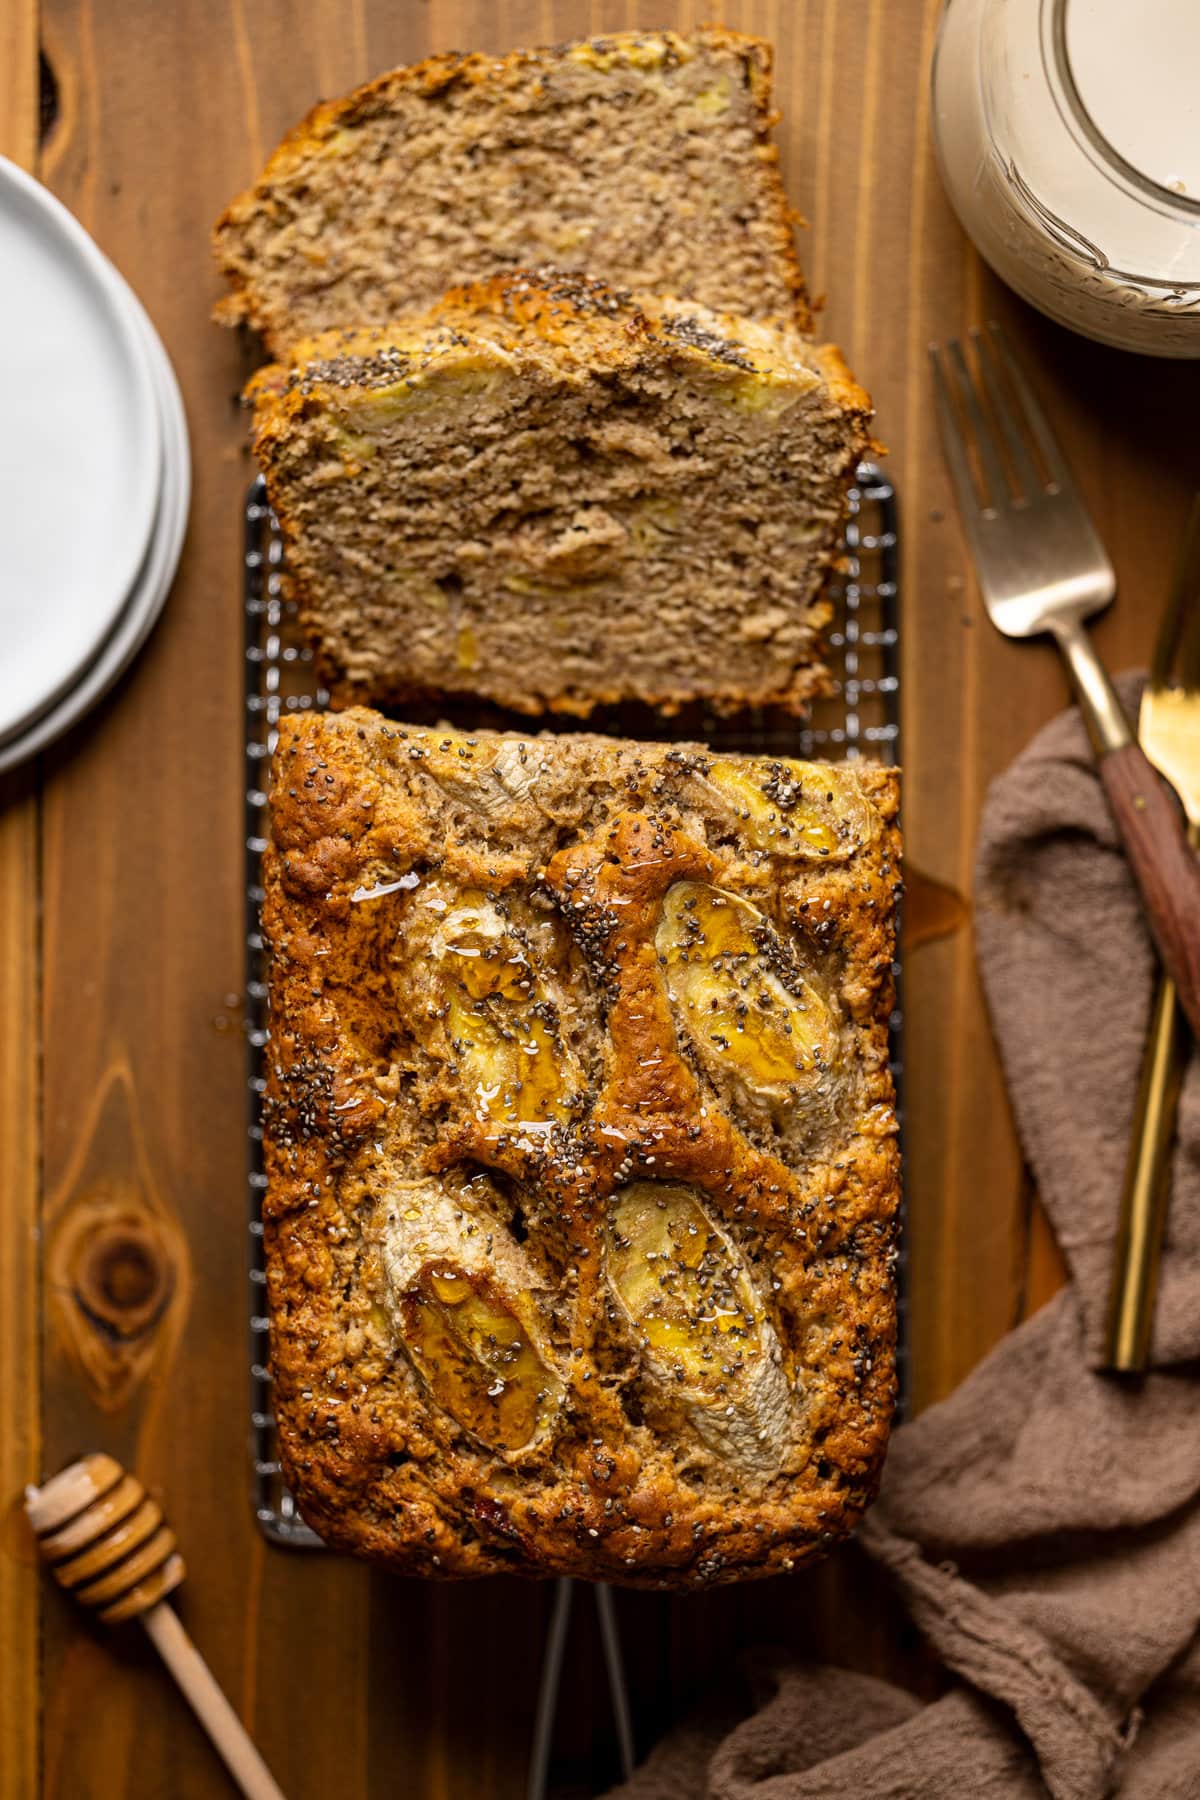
(649, 903)
(247, 235)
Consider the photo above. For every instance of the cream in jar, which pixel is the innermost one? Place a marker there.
(1068, 136)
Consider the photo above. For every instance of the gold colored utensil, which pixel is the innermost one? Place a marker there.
(1169, 733)
(107, 1543)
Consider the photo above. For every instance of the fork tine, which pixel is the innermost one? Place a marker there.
(1026, 471)
(953, 444)
(986, 448)
(1035, 419)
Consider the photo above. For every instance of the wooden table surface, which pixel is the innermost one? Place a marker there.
(122, 1229)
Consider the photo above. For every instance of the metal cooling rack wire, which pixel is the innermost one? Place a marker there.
(278, 673)
(553, 1659)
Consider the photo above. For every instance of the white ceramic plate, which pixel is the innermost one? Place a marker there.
(80, 453)
(146, 599)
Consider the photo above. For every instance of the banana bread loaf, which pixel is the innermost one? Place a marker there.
(580, 1140)
(550, 495)
(645, 159)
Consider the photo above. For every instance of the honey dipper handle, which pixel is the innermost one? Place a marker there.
(209, 1704)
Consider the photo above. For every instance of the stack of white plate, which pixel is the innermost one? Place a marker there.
(95, 474)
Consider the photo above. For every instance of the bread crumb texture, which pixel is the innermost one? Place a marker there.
(555, 495)
(581, 1147)
(645, 158)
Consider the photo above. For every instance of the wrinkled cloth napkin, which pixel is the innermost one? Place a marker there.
(1042, 1524)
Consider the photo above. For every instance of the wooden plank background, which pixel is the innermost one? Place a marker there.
(122, 1294)
(20, 1037)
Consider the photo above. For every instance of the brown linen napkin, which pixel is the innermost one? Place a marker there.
(1043, 1523)
(1068, 967)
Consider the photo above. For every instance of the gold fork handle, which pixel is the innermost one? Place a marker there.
(1148, 817)
(1145, 1194)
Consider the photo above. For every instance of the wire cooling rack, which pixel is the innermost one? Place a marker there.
(861, 718)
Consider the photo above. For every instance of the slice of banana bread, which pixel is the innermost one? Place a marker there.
(645, 159)
(580, 1139)
(550, 495)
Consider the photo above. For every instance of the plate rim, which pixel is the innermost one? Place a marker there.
(41, 211)
(150, 590)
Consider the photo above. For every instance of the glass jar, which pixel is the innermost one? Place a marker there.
(1068, 137)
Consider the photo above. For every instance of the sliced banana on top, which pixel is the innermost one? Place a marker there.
(814, 811)
(491, 789)
(747, 1010)
(686, 1291)
(461, 1296)
(500, 1012)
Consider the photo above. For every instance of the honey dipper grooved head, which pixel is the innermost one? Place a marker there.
(104, 1538)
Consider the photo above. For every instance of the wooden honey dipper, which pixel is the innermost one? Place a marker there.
(107, 1543)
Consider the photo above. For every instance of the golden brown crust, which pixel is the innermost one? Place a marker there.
(578, 847)
(578, 322)
(437, 74)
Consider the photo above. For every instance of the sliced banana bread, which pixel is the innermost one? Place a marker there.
(581, 1149)
(550, 495)
(645, 159)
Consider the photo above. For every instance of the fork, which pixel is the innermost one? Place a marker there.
(1042, 568)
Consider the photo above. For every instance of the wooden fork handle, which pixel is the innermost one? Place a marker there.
(1166, 867)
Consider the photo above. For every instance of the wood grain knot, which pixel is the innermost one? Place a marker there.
(123, 1278)
(118, 1272)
